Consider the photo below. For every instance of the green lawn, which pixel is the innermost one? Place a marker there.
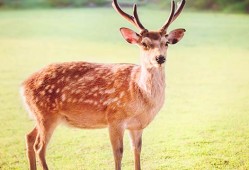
(204, 123)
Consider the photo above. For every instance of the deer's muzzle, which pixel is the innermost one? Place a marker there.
(160, 59)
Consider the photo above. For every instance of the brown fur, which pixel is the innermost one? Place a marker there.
(153, 35)
(77, 87)
(86, 95)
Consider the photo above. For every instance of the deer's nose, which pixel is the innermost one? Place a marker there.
(160, 59)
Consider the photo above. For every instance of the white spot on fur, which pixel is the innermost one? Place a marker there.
(118, 103)
(63, 97)
(42, 93)
(121, 94)
(101, 100)
(110, 82)
(114, 100)
(72, 91)
(57, 90)
(39, 83)
(108, 101)
(67, 88)
(53, 75)
(82, 79)
(62, 78)
(78, 91)
(89, 78)
(36, 99)
(71, 67)
(50, 91)
(110, 91)
(68, 78)
(88, 101)
(101, 92)
(94, 89)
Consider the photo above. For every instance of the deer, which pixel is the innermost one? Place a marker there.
(88, 95)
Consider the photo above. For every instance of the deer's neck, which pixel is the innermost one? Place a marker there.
(152, 81)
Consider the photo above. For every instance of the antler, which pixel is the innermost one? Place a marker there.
(173, 14)
(132, 19)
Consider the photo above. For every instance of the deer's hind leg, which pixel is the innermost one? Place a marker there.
(45, 131)
(30, 141)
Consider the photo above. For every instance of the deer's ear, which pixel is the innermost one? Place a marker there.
(130, 36)
(175, 36)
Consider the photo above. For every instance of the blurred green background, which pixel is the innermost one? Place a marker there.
(217, 5)
(204, 122)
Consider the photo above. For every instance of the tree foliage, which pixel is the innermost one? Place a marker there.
(216, 5)
(221, 5)
(227, 5)
(50, 3)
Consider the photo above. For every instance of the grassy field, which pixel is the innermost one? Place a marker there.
(204, 123)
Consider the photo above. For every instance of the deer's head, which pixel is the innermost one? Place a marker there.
(153, 44)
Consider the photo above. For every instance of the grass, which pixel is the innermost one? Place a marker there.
(204, 123)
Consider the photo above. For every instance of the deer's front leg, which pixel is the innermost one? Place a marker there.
(136, 144)
(116, 132)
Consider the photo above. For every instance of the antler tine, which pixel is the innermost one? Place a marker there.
(179, 9)
(132, 19)
(137, 21)
(176, 13)
(171, 16)
(122, 13)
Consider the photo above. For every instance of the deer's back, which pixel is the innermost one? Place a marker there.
(79, 91)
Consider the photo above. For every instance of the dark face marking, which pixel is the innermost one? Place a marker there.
(153, 35)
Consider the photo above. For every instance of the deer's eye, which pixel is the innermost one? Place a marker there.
(144, 45)
(163, 44)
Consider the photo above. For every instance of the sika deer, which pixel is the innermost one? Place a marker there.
(90, 95)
